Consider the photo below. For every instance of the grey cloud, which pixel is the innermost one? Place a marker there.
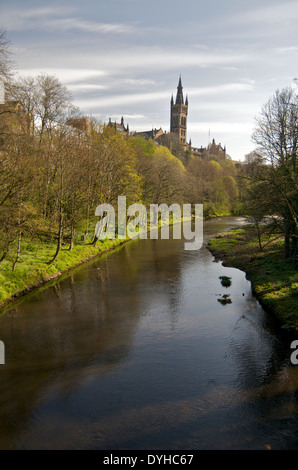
(59, 19)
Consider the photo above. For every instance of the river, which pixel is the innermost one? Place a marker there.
(134, 351)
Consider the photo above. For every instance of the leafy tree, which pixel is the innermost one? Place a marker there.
(162, 174)
(258, 198)
(212, 183)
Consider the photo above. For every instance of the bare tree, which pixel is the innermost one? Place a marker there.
(24, 91)
(276, 136)
(6, 63)
(44, 98)
(52, 101)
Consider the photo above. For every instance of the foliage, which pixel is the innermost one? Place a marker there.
(274, 278)
(57, 166)
(269, 180)
(212, 183)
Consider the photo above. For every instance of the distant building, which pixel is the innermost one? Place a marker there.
(119, 126)
(178, 123)
(176, 139)
(178, 126)
(213, 149)
(13, 117)
(179, 111)
(154, 134)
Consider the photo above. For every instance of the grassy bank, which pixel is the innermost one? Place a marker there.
(34, 270)
(274, 279)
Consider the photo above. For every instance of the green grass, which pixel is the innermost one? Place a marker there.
(33, 268)
(274, 279)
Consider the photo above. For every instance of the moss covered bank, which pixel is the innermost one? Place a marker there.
(274, 279)
(34, 270)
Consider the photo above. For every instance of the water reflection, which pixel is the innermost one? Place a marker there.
(134, 351)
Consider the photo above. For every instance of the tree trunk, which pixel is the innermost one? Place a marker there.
(94, 240)
(72, 237)
(293, 248)
(5, 253)
(259, 236)
(87, 218)
(88, 208)
(287, 242)
(18, 251)
(60, 235)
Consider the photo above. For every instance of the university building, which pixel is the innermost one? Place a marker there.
(178, 130)
(14, 120)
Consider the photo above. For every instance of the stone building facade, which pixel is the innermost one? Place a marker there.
(212, 150)
(119, 126)
(14, 120)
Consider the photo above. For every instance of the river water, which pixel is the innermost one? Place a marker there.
(134, 351)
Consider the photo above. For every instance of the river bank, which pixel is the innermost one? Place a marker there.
(133, 350)
(34, 270)
(274, 279)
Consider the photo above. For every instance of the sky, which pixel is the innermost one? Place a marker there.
(124, 58)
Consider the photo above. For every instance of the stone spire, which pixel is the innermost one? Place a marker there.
(179, 97)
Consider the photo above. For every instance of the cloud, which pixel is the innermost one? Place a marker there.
(121, 100)
(224, 107)
(220, 89)
(282, 50)
(87, 87)
(229, 69)
(130, 117)
(163, 96)
(58, 19)
(220, 127)
(154, 59)
(72, 24)
(284, 12)
(67, 76)
(20, 19)
(139, 82)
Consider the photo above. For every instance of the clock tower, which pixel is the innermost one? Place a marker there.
(179, 111)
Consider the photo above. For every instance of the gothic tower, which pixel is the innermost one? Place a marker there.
(179, 111)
